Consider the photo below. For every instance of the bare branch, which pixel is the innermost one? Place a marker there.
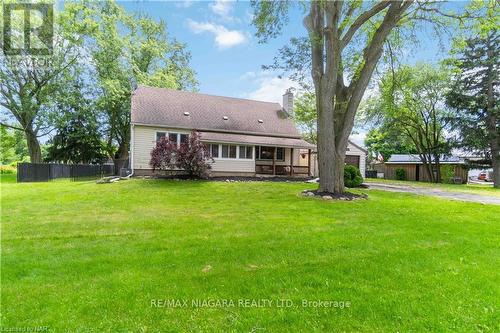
(361, 19)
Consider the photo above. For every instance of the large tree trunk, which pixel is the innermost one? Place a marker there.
(438, 169)
(495, 153)
(33, 147)
(121, 157)
(496, 169)
(327, 159)
(492, 123)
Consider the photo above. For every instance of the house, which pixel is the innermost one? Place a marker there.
(244, 137)
(415, 169)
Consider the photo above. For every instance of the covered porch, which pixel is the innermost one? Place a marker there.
(282, 161)
(272, 155)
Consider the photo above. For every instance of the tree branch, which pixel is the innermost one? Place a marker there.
(361, 19)
(11, 126)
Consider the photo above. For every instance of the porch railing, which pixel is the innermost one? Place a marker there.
(281, 170)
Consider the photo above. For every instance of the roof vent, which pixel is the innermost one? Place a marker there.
(186, 113)
(225, 118)
(260, 121)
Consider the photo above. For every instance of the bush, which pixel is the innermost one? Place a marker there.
(400, 174)
(7, 169)
(352, 176)
(447, 173)
(192, 157)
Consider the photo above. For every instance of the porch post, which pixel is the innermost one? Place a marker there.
(291, 161)
(309, 162)
(274, 161)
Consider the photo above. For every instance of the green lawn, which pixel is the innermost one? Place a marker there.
(465, 188)
(82, 257)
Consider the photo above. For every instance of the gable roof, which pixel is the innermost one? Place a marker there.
(167, 107)
(415, 159)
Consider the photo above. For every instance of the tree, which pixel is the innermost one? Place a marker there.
(78, 141)
(411, 102)
(191, 157)
(476, 88)
(305, 116)
(28, 84)
(124, 50)
(7, 142)
(384, 141)
(345, 42)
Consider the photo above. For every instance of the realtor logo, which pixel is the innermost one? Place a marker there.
(28, 29)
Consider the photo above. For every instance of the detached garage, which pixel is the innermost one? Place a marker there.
(414, 169)
(355, 155)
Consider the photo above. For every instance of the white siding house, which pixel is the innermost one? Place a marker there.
(244, 137)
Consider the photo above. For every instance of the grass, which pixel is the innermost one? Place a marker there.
(82, 257)
(465, 188)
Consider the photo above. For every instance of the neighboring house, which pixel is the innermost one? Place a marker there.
(244, 137)
(415, 169)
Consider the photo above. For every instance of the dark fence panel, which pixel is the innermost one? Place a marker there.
(60, 171)
(40, 172)
(33, 172)
(371, 173)
(85, 171)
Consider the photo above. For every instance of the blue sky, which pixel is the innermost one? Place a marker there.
(225, 53)
(227, 56)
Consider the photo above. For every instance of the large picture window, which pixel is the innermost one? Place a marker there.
(173, 137)
(266, 153)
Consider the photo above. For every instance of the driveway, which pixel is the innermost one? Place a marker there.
(471, 197)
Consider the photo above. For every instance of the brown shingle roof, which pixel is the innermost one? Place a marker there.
(166, 107)
(255, 140)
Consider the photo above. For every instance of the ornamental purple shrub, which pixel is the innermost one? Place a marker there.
(192, 156)
(163, 155)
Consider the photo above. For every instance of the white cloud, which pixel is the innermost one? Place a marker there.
(270, 88)
(224, 38)
(222, 7)
(248, 75)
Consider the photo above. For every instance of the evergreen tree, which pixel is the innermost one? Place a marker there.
(474, 97)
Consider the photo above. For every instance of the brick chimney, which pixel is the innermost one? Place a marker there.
(288, 102)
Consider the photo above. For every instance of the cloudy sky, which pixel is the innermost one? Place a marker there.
(227, 56)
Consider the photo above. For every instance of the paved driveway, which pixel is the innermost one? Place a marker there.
(472, 197)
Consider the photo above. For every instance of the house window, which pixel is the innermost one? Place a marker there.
(214, 150)
(160, 135)
(267, 153)
(246, 152)
(172, 137)
(280, 153)
(184, 138)
(228, 151)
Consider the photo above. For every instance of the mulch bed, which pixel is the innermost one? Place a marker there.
(230, 179)
(346, 196)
